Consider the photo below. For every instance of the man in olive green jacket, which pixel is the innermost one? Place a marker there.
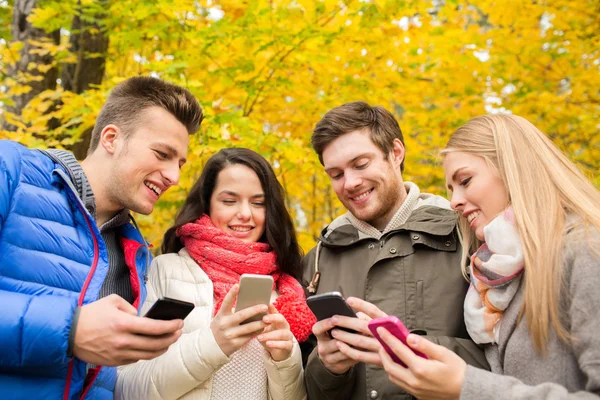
(394, 252)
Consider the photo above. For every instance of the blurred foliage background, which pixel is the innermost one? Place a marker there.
(266, 71)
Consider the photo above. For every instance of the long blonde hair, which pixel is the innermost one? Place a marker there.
(543, 187)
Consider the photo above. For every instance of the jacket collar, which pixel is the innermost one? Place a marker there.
(80, 185)
(77, 176)
(426, 219)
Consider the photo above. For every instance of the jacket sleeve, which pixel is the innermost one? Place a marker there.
(584, 320)
(322, 384)
(466, 349)
(286, 377)
(34, 330)
(188, 363)
(480, 384)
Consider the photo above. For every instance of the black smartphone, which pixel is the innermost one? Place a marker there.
(327, 305)
(167, 309)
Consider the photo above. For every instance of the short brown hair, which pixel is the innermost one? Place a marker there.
(353, 116)
(129, 98)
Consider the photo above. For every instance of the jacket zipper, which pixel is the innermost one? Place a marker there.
(84, 289)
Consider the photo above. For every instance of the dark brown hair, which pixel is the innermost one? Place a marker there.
(354, 116)
(129, 98)
(279, 229)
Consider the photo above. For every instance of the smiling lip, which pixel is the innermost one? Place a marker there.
(472, 217)
(152, 193)
(240, 231)
(361, 198)
(155, 188)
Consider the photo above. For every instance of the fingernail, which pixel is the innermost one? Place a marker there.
(334, 332)
(260, 337)
(334, 320)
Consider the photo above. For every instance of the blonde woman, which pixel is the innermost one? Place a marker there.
(530, 222)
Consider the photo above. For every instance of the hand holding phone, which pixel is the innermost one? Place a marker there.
(277, 338)
(109, 332)
(227, 328)
(396, 328)
(167, 309)
(341, 350)
(327, 305)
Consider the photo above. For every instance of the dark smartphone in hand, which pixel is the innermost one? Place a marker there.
(327, 305)
(167, 309)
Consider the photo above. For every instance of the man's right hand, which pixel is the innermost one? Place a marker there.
(332, 358)
(344, 350)
(110, 333)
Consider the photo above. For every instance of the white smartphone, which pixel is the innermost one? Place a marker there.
(254, 290)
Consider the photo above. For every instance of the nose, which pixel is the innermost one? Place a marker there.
(171, 173)
(352, 180)
(244, 212)
(457, 201)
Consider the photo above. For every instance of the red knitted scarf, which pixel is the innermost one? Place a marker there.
(224, 258)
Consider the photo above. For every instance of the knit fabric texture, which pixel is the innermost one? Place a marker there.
(495, 271)
(248, 363)
(225, 258)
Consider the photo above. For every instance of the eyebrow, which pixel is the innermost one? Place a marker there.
(454, 176)
(230, 193)
(456, 172)
(351, 161)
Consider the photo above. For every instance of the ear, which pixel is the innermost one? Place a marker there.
(397, 153)
(110, 137)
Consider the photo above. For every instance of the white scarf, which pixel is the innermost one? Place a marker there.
(495, 282)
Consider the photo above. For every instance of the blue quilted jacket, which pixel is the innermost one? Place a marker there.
(52, 259)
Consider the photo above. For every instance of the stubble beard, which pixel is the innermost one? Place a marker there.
(122, 193)
(386, 207)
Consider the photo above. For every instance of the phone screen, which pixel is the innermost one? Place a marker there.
(327, 305)
(254, 290)
(167, 309)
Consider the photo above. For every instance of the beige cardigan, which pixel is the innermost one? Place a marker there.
(185, 371)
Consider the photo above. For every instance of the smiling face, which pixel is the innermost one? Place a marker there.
(478, 192)
(368, 183)
(147, 162)
(237, 204)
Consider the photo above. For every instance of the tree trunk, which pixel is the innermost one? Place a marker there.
(24, 71)
(89, 42)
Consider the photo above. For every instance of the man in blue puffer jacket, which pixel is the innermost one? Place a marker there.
(72, 261)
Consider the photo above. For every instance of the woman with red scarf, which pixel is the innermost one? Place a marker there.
(234, 221)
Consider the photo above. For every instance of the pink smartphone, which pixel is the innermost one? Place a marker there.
(396, 328)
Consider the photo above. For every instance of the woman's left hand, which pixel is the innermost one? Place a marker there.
(277, 338)
(440, 377)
